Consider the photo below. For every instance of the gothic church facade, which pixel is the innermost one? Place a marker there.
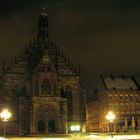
(42, 88)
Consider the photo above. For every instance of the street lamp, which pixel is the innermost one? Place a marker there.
(5, 116)
(110, 117)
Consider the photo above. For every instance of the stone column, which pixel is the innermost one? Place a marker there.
(114, 127)
(133, 123)
(108, 127)
(126, 123)
(138, 120)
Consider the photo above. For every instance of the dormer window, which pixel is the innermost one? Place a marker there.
(114, 88)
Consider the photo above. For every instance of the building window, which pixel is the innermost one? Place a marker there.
(110, 97)
(121, 97)
(117, 105)
(122, 114)
(69, 102)
(136, 97)
(126, 106)
(114, 88)
(132, 105)
(116, 97)
(111, 106)
(137, 105)
(131, 97)
(121, 105)
(127, 113)
(46, 87)
(62, 93)
(126, 97)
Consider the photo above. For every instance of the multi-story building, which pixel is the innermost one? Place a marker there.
(120, 95)
(42, 88)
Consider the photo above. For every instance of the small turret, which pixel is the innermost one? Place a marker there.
(15, 60)
(8, 66)
(3, 65)
(43, 27)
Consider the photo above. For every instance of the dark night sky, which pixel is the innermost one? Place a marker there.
(101, 35)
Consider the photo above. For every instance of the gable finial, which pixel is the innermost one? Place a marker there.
(44, 12)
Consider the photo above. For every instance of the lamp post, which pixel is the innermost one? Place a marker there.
(110, 118)
(5, 116)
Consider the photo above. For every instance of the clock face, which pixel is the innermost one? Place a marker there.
(46, 59)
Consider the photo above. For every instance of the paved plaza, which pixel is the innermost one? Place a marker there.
(78, 137)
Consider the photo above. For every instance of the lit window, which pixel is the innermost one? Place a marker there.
(111, 105)
(128, 113)
(110, 97)
(117, 105)
(122, 105)
(75, 128)
(126, 105)
(131, 97)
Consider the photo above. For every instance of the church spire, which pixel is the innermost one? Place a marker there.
(43, 26)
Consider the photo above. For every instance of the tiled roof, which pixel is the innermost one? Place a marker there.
(121, 82)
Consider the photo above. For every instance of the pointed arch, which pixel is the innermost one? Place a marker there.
(46, 87)
(69, 102)
(46, 119)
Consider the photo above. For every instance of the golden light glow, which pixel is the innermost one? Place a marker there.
(72, 128)
(5, 115)
(110, 116)
(3, 138)
(75, 128)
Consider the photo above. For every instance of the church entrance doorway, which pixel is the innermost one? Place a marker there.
(51, 125)
(41, 126)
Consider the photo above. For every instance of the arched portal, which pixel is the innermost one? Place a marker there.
(41, 126)
(51, 126)
(46, 119)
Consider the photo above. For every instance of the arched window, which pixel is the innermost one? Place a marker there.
(69, 103)
(15, 102)
(23, 91)
(41, 126)
(46, 87)
(62, 93)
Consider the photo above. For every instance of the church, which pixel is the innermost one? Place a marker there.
(42, 89)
